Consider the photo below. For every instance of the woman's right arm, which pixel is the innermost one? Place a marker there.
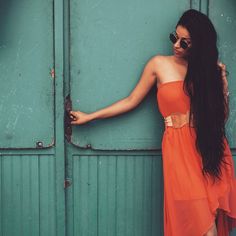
(147, 80)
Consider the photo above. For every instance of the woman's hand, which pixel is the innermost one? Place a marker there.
(224, 77)
(79, 117)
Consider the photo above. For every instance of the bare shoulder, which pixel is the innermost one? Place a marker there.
(160, 59)
(157, 62)
(163, 63)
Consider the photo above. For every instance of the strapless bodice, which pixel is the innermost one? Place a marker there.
(171, 98)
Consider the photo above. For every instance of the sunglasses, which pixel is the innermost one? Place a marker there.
(174, 38)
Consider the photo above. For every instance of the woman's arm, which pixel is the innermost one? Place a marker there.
(147, 80)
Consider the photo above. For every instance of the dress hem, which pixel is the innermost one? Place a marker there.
(214, 219)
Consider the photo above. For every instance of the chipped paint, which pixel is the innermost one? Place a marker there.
(52, 72)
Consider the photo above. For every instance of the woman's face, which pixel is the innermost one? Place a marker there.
(183, 35)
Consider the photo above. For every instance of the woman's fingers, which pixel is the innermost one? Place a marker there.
(221, 65)
(73, 115)
(78, 117)
(223, 71)
(224, 77)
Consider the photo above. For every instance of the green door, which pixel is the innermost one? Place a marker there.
(114, 165)
(31, 119)
(106, 178)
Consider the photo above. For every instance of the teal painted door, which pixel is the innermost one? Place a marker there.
(94, 51)
(114, 165)
(27, 87)
(31, 119)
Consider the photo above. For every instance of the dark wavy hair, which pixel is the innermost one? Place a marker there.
(204, 85)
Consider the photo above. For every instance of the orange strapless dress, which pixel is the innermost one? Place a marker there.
(191, 201)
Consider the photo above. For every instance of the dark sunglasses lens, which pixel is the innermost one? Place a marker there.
(172, 37)
(183, 44)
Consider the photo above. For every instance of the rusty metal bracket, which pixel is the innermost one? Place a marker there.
(67, 119)
(67, 182)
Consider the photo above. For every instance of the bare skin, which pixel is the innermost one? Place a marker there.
(212, 231)
(159, 69)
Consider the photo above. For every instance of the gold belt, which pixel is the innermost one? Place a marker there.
(177, 120)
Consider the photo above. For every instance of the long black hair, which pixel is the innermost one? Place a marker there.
(204, 86)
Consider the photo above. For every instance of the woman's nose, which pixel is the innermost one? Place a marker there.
(177, 44)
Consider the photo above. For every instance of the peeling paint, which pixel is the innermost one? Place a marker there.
(52, 72)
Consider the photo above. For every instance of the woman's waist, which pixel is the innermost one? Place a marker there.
(178, 120)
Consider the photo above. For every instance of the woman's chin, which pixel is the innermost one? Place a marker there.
(178, 55)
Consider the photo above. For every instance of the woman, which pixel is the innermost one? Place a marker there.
(192, 95)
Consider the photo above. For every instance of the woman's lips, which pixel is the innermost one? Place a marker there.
(176, 51)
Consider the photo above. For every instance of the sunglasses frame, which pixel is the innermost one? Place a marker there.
(174, 38)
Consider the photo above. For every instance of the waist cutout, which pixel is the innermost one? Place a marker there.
(177, 120)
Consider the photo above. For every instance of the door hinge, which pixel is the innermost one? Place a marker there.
(67, 183)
